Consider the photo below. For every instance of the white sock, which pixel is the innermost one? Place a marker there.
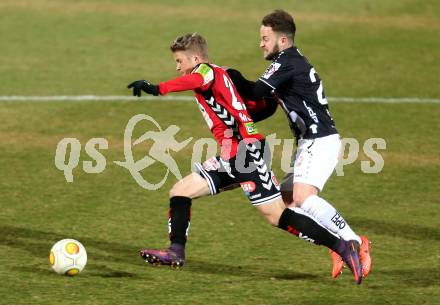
(328, 217)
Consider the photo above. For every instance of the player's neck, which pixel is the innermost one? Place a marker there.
(285, 47)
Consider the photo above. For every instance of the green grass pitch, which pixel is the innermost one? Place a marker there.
(360, 49)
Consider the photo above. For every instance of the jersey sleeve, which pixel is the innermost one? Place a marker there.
(277, 73)
(248, 89)
(244, 86)
(261, 109)
(183, 83)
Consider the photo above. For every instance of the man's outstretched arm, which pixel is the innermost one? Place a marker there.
(249, 89)
(183, 83)
(257, 96)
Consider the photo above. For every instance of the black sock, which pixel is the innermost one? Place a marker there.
(179, 219)
(307, 229)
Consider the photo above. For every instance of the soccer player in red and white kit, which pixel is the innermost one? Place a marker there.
(294, 83)
(240, 162)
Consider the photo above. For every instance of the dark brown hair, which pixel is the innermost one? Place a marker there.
(281, 22)
(193, 42)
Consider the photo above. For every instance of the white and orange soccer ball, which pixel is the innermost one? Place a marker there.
(68, 257)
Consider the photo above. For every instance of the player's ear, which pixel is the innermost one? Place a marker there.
(283, 40)
(196, 58)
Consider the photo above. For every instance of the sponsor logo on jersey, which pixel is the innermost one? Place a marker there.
(248, 187)
(312, 113)
(251, 128)
(271, 70)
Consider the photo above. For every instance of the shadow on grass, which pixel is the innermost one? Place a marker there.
(38, 243)
(258, 272)
(93, 271)
(107, 272)
(101, 252)
(415, 232)
(420, 277)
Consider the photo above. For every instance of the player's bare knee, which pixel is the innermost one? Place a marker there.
(301, 192)
(172, 193)
(273, 221)
(272, 212)
(299, 199)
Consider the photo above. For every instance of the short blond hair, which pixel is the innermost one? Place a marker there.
(193, 42)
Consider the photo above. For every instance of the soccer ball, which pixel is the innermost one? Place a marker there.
(68, 256)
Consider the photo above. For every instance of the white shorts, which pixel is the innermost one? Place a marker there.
(314, 161)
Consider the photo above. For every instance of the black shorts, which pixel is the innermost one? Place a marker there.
(247, 169)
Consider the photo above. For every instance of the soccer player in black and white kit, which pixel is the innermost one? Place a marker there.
(293, 83)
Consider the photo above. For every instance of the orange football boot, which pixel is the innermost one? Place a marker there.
(364, 255)
(338, 263)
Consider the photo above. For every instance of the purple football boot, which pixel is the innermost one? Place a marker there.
(174, 256)
(349, 251)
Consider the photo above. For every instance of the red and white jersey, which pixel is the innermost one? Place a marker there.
(220, 104)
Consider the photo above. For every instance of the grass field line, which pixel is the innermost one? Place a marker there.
(73, 98)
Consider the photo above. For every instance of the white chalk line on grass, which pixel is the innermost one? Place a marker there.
(73, 98)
